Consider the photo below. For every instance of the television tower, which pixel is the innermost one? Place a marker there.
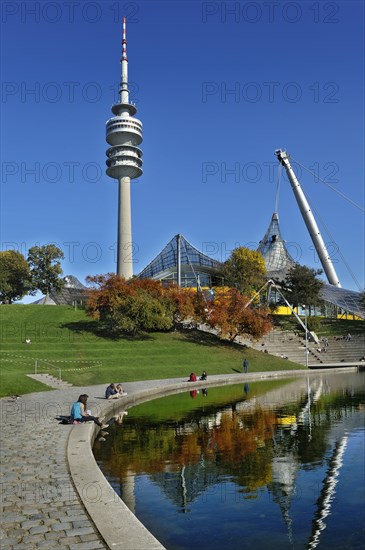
(124, 134)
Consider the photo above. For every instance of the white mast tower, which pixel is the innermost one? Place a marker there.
(310, 222)
(124, 134)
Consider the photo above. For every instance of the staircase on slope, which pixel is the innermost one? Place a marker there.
(292, 346)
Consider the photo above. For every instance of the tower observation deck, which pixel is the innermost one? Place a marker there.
(124, 162)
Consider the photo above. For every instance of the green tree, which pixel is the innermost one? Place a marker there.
(245, 270)
(142, 312)
(302, 286)
(46, 268)
(15, 278)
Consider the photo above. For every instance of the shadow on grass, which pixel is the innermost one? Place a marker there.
(102, 331)
(207, 339)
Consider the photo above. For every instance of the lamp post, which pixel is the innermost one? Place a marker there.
(306, 336)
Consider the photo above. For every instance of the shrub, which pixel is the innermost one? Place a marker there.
(314, 324)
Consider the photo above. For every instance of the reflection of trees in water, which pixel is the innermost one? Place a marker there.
(255, 448)
(230, 443)
(242, 445)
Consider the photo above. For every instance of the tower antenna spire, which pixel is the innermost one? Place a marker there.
(124, 40)
(123, 90)
(124, 162)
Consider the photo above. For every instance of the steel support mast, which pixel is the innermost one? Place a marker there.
(310, 222)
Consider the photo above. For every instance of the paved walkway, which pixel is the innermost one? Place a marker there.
(48, 473)
(40, 507)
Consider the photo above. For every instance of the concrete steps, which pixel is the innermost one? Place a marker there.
(288, 345)
(50, 381)
(292, 346)
(341, 350)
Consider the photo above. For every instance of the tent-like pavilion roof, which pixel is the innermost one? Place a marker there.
(191, 258)
(277, 259)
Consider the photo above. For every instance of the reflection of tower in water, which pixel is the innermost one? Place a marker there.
(127, 489)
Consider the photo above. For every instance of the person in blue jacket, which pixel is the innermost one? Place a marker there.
(79, 414)
(245, 365)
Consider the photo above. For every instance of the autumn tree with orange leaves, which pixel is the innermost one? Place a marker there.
(137, 305)
(143, 305)
(231, 316)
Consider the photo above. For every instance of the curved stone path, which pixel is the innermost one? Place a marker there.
(53, 495)
(40, 506)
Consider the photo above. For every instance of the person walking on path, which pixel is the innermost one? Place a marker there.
(245, 365)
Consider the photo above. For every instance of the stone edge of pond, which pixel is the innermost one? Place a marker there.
(117, 525)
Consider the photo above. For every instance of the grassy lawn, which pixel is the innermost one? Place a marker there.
(64, 340)
(329, 327)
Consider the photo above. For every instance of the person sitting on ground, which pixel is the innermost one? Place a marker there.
(111, 392)
(120, 390)
(192, 377)
(78, 412)
(204, 375)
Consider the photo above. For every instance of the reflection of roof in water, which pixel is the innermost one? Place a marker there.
(186, 485)
(283, 486)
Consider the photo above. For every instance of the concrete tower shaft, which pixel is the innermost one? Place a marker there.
(124, 133)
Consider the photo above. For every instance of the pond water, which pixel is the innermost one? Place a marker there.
(272, 464)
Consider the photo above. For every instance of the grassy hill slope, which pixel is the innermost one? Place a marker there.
(63, 341)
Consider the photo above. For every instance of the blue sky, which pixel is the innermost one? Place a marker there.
(219, 86)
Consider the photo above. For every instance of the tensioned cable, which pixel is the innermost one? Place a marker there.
(331, 237)
(330, 186)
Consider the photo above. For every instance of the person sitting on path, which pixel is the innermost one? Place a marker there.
(192, 377)
(204, 375)
(78, 413)
(111, 392)
(120, 390)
